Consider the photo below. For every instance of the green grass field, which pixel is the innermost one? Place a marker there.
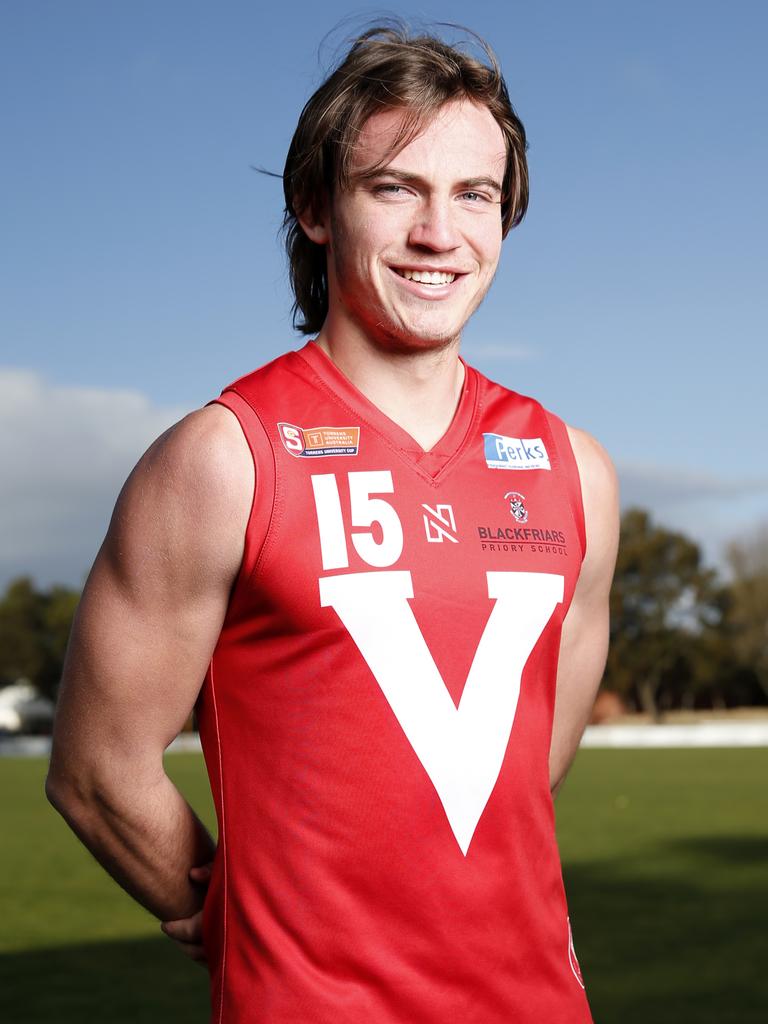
(666, 863)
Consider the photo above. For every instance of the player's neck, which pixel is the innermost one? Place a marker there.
(418, 390)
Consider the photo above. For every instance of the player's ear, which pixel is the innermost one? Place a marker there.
(314, 223)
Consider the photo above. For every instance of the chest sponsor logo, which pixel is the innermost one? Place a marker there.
(522, 538)
(440, 524)
(518, 537)
(318, 441)
(462, 748)
(502, 452)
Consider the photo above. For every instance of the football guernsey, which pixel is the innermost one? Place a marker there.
(377, 715)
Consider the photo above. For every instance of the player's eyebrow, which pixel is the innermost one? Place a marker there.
(408, 178)
(482, 182)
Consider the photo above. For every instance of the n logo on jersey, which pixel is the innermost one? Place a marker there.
(461, 748)
(440, 524)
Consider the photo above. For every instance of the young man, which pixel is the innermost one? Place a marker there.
(383, 580)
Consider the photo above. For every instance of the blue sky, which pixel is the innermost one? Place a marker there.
(141, 267)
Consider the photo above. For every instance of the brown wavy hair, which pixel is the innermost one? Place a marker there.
(385, 68)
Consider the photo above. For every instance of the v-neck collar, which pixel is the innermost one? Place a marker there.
(432, 464)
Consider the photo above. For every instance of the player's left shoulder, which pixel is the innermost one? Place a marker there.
(599, 481)
(600, 497)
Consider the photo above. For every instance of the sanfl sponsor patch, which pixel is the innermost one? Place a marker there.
(317, 441)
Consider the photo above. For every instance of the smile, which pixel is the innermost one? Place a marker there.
(426, 276)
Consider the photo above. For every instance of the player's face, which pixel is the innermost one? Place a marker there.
(413, 249)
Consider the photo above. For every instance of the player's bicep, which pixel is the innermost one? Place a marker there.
(155, 600)
(132, 676)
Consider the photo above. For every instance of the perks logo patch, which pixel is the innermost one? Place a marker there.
(503, 452)
(316, 441)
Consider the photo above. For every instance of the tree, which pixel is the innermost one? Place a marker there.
(747, 613)
(34, 629)
(665, 610)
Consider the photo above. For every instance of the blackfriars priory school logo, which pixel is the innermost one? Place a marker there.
(517, 508)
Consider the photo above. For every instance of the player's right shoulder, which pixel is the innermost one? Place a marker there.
(203, 460)
(187, 501)
(204, 450)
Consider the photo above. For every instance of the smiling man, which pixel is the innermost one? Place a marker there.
(413, 243)
(382, 580)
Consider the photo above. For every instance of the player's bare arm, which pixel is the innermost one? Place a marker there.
(584, 644)
(150, 615)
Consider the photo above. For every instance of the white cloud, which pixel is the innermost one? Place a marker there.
(64, 453)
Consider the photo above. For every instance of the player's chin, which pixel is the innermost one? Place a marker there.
(418, 338)
(438, 330)
(419, 327)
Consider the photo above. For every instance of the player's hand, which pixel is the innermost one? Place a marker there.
(187, 932)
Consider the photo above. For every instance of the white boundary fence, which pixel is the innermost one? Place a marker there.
(696, 734)
(628, 736)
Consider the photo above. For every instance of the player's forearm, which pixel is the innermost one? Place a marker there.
(557, 773)
(582, 660)
(145, 835)
(566, 738)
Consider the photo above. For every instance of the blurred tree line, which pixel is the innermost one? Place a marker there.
(34, 628)
(681, 636)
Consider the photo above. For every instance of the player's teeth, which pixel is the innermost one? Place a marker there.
(428, 277)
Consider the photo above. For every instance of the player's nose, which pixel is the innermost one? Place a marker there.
(434, 226)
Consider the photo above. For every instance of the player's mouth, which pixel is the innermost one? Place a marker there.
(430, 277)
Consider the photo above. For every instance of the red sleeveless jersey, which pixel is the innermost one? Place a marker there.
(377, 715)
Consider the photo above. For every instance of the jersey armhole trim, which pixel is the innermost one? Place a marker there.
(262, 510)
(567, 463)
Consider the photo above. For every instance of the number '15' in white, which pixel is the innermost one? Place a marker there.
(364, 512)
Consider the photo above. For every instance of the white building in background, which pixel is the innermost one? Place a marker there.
(22, 709)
